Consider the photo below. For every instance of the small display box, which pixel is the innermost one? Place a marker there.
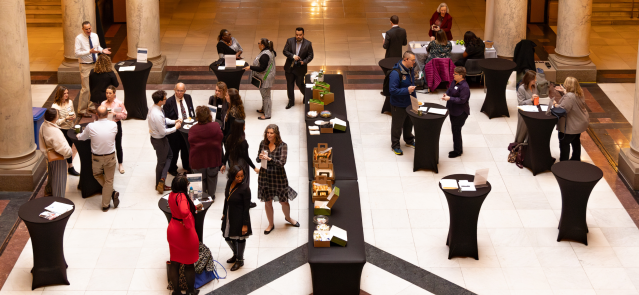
(325, 207)
(324, 167)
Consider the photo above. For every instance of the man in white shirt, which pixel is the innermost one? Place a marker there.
(179, 106)
(159, 130)
(87, 48)
(102, 134)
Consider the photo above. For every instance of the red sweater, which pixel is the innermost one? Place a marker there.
(206, 145)
(446, 25)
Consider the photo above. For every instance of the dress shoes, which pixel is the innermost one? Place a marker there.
(105, 209)
(116, 199)
(289, 105)
(253, 205)
(72, 171)
(454, 154)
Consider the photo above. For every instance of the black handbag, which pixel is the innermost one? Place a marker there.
(560, 113)
(257, 82)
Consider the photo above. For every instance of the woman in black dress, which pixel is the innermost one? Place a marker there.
(220, 100)
(237, 152)
(100, 78)
(235, 111)
(272, 181)
(236, 220)
(227, 45)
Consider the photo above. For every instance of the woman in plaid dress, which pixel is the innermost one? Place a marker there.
(272, 181)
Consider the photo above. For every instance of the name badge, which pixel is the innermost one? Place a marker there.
(219, 106)
(455, 87)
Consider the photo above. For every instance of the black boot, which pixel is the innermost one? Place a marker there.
(240, 255)
(231, 244)
(73, 172)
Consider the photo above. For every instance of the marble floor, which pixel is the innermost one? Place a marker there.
(404, 213)
(622, 95)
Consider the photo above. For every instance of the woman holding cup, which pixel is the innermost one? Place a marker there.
(117, 112)
(66, 119)
(526, 95)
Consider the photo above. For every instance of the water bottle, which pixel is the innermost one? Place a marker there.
(191, 193)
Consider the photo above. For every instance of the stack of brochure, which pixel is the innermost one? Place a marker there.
(55, 209)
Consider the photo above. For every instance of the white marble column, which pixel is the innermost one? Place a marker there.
(20, 164)
(74, 13)
(573, 41)
(490, 20)
(629, 157)
(143, 31)
(509, 26)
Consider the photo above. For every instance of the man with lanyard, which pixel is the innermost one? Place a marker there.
(401, 88)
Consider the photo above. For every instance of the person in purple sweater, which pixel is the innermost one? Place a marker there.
(456, 98)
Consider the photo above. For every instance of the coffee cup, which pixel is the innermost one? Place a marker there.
(78, 128)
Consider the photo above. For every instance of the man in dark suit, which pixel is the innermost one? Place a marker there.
(179, 106)
(395, 39)
(298, 52)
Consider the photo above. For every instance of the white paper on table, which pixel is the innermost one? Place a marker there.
(221, 68)
(437, 111)
(528, 108)
(384, 36)
(313, 128)
(423, 109)
(449, 184)
(59, 208)
(310, 85)
(127, 69)
(481, 175)
(239, 63)
(264, 162)
(313, 132)
(467, 187)
(543, 108)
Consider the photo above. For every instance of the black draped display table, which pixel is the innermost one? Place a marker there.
(576, 180)
(134, 84)
(87, 184)
(540, 126)
(387, 64)
(49, 265)
(428, 127)
(338, 106)
(232, 77)
(199, 216)
(463, 208)
(497, 72)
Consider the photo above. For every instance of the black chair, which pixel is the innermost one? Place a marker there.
(473, 70)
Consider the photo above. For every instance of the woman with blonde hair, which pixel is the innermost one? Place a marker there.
(100, 78)
(66, 118)
(576, 120)
(118, 111)
(441, 21)
(220, 100)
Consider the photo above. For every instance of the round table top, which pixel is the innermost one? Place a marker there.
(236, 69)
(541, 115)
(497, 64)
(71, 133)
(139, 66)
(389, 63)
(31, 210)
(186, 124)
(577, 171)
(478, 193)
(427, 116)
(164, 205)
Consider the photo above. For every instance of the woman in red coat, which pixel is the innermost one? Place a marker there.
(183, 242)
(441, 20)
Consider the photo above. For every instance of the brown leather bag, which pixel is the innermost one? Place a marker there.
(52, 155)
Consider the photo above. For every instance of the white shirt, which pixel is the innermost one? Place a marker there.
(83, 49)
(181, 105)
(157, 123)
(102, 133)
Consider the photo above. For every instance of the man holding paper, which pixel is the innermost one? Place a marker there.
(456, 98)
(402, 87)
(87, 48)
(394, 39)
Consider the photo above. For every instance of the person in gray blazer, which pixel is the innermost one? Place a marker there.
(298, 52)
(395, 38)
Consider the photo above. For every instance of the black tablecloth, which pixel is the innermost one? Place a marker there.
(49, 265)
(336, 269)
(497, 72)
(134, 84)
(199, 216)
(87, 184)
(387, 64)
(428, 127)
(576, 180)
(232, 77)
(338, 106)
(343, 157)
(540, 127)
(463, 208)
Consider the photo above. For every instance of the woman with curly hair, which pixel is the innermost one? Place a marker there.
(100, 78)
(235, 111)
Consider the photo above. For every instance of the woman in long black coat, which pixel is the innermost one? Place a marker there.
(236, 220)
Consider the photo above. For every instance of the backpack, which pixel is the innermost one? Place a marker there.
(542, 84)
(517, 153)
(386, 89)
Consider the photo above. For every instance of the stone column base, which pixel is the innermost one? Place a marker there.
(21, 177)
(581, 68)
(629, 167)
(158, 71)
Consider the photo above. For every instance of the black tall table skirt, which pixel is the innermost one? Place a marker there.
(387, 64)
(497, 72)
(199, 216)
(464, 210)
(336, 269)
(87, 184)
(232, 77)
(428, 127)
(576, 180)
(540, 127)
(49, 265)
(134, 84)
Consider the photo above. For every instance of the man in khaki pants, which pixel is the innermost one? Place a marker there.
(87, 48)
(102, 134)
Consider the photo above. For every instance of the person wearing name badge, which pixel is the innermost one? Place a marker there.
(264, 69)
(87, 48)
(228, 45)
(65, 121)
(221, 101)
(401, 85)
(116, 108)
(456, 98)
(526, 95)
(51, 139)
(159, 130)
(102, 134)
(298, 52)
(395, 38)
(441, 21)
(101, 77)
(179, 106)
